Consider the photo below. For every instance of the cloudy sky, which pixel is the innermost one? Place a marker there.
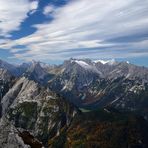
(54, 30)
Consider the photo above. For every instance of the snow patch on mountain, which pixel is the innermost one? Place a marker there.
(127, 62)
(109, 62)
(87, 66)
(83, 64)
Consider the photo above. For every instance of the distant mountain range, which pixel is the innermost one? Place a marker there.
(88, 83)
(42, 105)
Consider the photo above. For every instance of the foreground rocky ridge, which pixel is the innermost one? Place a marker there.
(28, 108)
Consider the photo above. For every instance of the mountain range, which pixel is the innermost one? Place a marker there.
(63, 105)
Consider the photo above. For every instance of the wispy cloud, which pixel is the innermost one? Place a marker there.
(13, 13)
(83, 25)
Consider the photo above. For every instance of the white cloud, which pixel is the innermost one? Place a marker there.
(83, 24)
(34, 5)
(13, 13)
(48, 9)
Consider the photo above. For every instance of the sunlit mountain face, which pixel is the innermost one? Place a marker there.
(73, 74)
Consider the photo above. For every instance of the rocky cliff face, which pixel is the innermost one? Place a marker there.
(6, 82)
(9, 136)
(32, 108)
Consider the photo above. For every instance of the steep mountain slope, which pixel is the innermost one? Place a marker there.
(9, 136)
(74, 80)
(37, 73)
(34, 110)
(6, 82)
